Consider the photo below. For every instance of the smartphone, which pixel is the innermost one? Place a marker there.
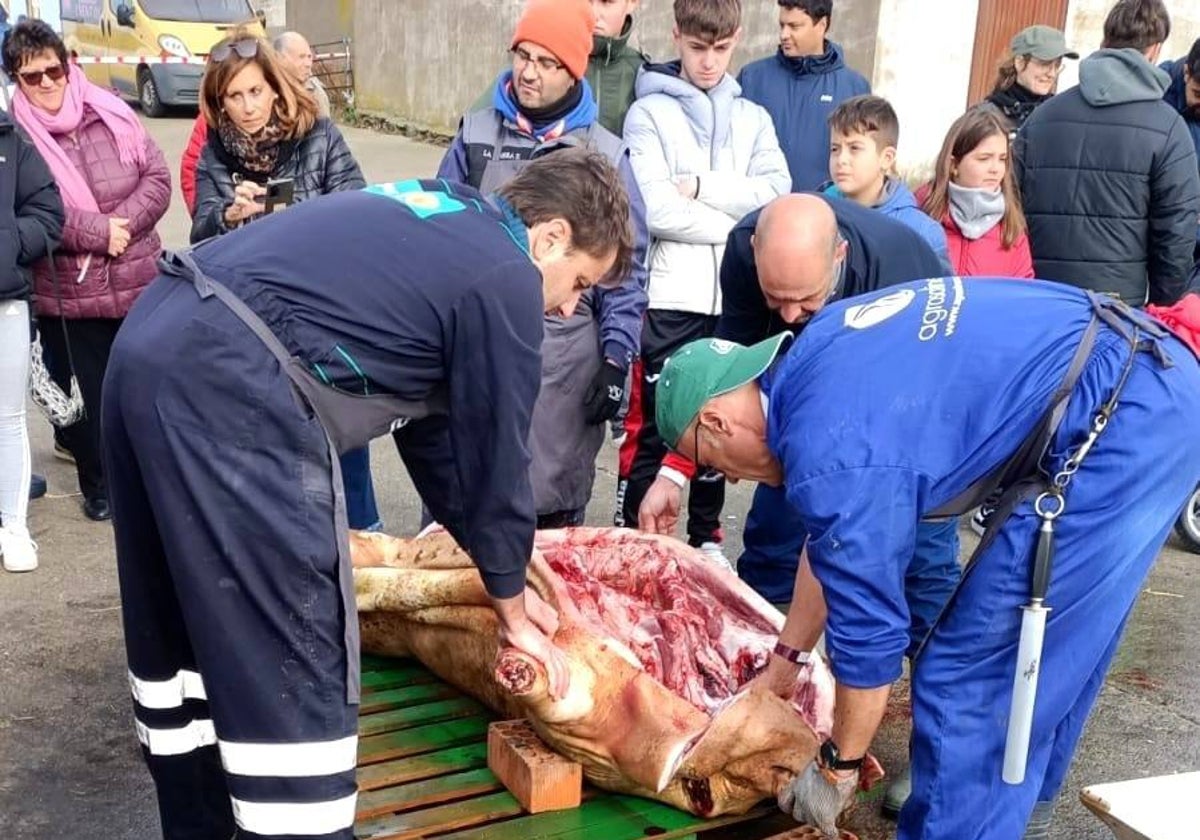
(281, 192)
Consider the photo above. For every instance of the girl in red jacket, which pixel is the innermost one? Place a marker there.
(974, 196)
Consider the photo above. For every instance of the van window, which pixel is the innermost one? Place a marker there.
(199, 11)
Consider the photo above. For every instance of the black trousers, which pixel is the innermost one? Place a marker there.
(223, 511)
(663, 332)
(91, 342)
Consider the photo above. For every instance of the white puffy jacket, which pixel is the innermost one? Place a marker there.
(675, 130)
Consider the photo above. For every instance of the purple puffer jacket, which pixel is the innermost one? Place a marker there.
(109, 286)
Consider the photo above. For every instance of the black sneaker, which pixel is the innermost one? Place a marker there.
(97, 509)
(37, 486)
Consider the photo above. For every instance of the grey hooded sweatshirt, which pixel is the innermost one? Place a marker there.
(1109, 181)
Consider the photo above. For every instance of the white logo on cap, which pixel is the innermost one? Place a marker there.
(721, 347)
(877, 311)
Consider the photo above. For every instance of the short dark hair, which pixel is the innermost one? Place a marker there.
(1192, 62)
(27, 39)
(712, 20)
(815, 9)
(583, 187)
(871, 115)
(1136, 24)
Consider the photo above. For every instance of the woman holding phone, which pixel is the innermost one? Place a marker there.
(267, 148)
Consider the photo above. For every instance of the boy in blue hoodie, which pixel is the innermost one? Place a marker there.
(863, 135)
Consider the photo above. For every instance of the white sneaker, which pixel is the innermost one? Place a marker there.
(712, 550)
(19, 550)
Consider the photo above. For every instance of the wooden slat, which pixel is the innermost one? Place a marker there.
(606, 816)
(421, 739)
(410, 716)
(415, 795)
(370, 662)
(442, 818)
(400, 677)
(384, 701)
(401, 771)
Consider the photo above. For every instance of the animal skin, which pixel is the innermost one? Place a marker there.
(660, 643)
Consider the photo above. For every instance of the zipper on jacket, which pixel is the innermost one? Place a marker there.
(716, 281)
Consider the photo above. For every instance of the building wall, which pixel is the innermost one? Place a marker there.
(324, 20)
(923, 73)
(1085, 31)
(429, 62)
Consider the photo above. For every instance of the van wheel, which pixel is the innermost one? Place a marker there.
(152, 106)
(1188, 524)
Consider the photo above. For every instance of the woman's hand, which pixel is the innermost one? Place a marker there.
(118, 236)
(245, 203)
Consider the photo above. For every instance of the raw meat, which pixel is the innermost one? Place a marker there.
(659, 641)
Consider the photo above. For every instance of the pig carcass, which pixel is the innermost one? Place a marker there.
(660, 644)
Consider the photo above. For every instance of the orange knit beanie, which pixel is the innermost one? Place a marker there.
(563, 27)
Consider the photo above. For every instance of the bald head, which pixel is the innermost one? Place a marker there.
(796, 251)
(295, 50)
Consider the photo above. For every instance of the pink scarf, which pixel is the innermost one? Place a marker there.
(43, 127)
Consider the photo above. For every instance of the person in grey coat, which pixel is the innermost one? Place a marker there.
(541, 106)
(1108, 171)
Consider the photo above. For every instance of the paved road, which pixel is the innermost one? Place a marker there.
(69, 763)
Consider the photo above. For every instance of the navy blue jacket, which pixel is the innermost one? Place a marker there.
(800, 94)
(882, 252)
(1176, 97)
(434, 292)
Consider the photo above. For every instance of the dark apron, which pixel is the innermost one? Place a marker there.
(350, 421)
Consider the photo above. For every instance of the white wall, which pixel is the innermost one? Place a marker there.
(1085, 31)
(924, 70)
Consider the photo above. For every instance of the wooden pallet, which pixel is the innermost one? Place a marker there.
(422, 772)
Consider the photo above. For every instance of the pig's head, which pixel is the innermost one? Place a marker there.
(752, 748)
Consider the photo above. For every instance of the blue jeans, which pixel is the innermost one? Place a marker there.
(774, 536)
(361, 511)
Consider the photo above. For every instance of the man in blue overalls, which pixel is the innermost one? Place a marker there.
(919, 400)
(237, 378)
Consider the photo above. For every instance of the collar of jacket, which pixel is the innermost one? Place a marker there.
(605, 48)
(287, 148)
(513, 223)
(582, 115)
(803, 65)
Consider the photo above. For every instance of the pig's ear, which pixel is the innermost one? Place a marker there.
(755, 722)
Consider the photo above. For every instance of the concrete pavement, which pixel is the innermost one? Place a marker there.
(69, 762)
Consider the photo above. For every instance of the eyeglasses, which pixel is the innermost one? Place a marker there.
(1055, 66)
(544, 62)
(245, 48)
(33, 78)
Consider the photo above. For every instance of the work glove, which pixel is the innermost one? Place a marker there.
(817, 797)
(605, 395)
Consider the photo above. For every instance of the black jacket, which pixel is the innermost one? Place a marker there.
(31, 211)
(416, 294)
(882, 252)
(319, 163)
(1016, 103)
(1110, 183)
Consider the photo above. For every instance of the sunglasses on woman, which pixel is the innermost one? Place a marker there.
(245, 48)
(33, 78)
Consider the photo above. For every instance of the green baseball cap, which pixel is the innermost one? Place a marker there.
(1044, 43)
(704, 369)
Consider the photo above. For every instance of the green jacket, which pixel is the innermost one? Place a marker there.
(612, 72)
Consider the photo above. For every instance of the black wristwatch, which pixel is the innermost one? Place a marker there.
(832, 760)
